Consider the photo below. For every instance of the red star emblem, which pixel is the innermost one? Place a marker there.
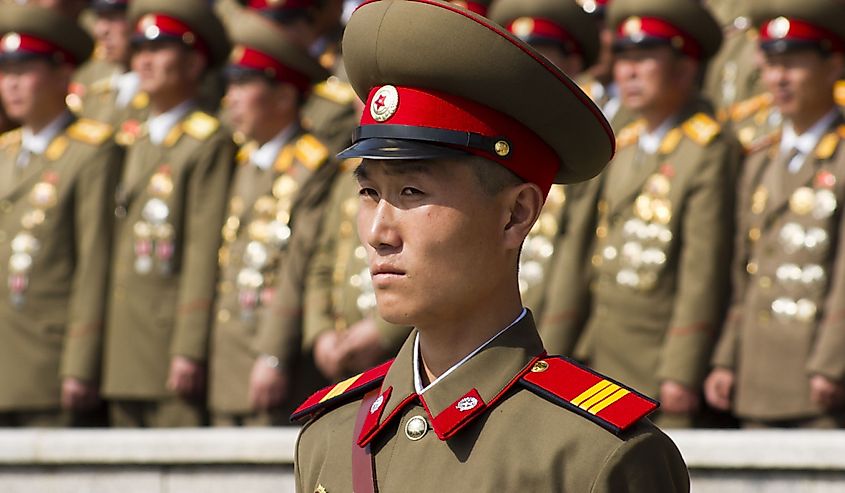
(380, 101)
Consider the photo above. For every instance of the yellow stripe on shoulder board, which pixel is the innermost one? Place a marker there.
(590, 392)
(311, 151)
(600, 406)
(599, 396)
(340, 388)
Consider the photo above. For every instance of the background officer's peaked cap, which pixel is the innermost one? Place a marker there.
(788, 24)
(28, 31)
(439, 80)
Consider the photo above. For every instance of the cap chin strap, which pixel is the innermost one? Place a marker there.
(427, 134)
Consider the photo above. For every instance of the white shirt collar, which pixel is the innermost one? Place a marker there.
(264, 156)
(127, 86)
(806, 142)
(649, 142)
(418, 380)
(37, 143)
(159, 126)
(614, 102)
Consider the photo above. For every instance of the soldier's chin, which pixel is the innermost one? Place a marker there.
(393, 309)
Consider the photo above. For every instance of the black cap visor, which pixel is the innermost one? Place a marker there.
(780, 46)
(398, 149)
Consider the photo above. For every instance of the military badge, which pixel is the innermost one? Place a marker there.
(802, 201)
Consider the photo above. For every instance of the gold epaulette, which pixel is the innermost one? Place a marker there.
(839, 92)
(349, 164)
(670, 141)
(336, 91)
(630, 133)
(57, 148)
(827, 145)
(245, 151)
(311, 152)
(200, 125)
(11, 138)
(743, 109)
(701, 128)
(90, 131)
(140, 100)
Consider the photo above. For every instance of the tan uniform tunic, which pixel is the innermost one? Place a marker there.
(264, 214)
(785, 322)
(171, 205)
(659, 244)
(55, 234)
(521, 442)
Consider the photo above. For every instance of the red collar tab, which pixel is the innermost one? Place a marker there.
(371, 423)
(606, 402)
(343, 392)
(637, 29)
(460, 413)
(512, 144)
(537, 28)
(280, 5)
(154, 26)
(12, 43)
(789, 29)
(244, 56)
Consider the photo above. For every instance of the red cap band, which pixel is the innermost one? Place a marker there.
(250, 58)
(478, 8)
(277, 5)
(20, 42)
(652, 27)
(526, 27)
(151, 26)
(782, 28)
(518, 148)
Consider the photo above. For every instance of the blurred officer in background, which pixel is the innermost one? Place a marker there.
(660, 234)
(780, 361)
(279, 187)
(57, 178)
(170, 206)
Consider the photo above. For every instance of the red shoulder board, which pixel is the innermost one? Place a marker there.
(341, 393)
(600, 399)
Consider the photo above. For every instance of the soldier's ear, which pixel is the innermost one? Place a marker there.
(525, 201)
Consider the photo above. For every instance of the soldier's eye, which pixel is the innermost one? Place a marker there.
(409, 191)
(368, 193)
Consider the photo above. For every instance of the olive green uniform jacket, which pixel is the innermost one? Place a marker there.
(785, 322)
(171, 203)
(270, 211)
(55, 233)
(659, 242)
(331, 111)
(486, 431)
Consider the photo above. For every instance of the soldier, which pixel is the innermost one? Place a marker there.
(779, 361)
(454, 174)
(278, 190)
(170, 206)
(658, 236)
(57, 185)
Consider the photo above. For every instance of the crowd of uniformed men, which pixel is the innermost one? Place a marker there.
(178, 244)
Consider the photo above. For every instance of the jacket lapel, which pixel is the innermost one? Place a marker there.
(143, 159)
(628, 186)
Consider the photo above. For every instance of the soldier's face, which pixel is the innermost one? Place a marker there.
(435, 239)
(165, 67)
(30, 90)
(571, 65)
(801, 81)
(255, 106)
(651, 78)
(112, 33)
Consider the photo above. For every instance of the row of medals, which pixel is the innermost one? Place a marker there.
(268, 233)
(539, 245)
(360, 280)
(154, 234)
(817, 204)
(25, 245)
(645, 237)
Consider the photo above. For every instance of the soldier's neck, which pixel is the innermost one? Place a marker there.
(268, 132)
(164, 102)
(36, 122)
(445, 343)
(806, 119)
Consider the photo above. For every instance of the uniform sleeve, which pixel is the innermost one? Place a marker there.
(703, 266)
(828, 354)
(647, 463)
(724, 355)
(205, 204)
(94, 203)
(567, 303)
(280, 328)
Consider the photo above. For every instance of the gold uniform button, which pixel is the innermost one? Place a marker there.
(224, 315)
(539, 367)
(416, 428)
(751, 268)
(754, 234)
(601, 232)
